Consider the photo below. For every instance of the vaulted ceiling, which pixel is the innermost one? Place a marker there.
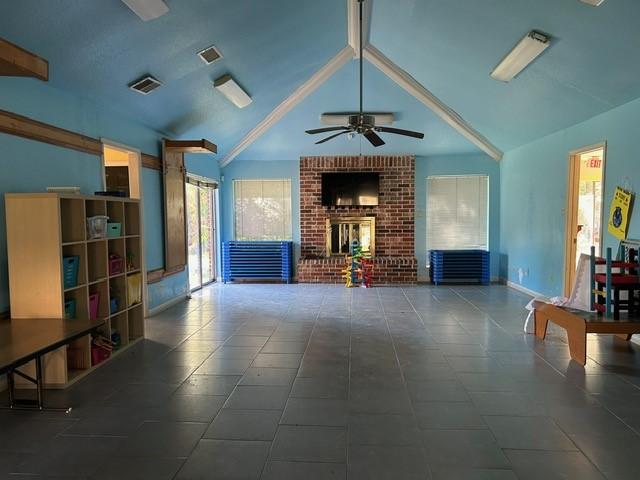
(96, 49)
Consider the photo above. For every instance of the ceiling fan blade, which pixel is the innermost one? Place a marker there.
(326, 129)
(399, 131)
(332, 137)
(373, 138)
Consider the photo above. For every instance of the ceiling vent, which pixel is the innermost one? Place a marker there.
(210, 55)
(145, 85)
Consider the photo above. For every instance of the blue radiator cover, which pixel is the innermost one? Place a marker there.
(459, 266)
(257, 260)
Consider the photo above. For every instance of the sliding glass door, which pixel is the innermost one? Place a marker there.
(201, 233)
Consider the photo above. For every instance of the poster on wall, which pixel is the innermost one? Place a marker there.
(619, 214)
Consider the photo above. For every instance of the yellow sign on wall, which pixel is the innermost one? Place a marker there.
(619, 215)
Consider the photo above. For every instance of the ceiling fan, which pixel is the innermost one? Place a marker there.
(361, 123)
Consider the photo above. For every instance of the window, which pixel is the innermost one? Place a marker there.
(457, 212)
(262, 209)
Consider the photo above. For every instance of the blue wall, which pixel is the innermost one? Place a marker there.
(248, 169)
(474, 164)
(28, 165)
(425, 166)
(534, 194)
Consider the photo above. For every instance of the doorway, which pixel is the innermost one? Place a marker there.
(201, 231)
(121, 170)
(584, 208)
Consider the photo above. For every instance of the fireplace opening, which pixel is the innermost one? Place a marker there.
(341, 232)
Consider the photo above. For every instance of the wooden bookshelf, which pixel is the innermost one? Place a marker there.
(42, 229)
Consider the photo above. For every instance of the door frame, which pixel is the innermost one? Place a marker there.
(571, 217)
(138, 163)
(214, 186)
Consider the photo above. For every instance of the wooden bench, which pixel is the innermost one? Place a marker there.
(578, 323)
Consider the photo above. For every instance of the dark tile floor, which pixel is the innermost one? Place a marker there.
(319, 382)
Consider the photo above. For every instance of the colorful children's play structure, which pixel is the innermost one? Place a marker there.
(358, 271)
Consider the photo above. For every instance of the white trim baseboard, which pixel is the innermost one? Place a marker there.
(168, 304)
(522, 289)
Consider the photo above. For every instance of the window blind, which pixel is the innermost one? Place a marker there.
(457, 212)
(262, 209)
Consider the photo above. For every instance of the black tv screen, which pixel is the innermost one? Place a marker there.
(352, 188)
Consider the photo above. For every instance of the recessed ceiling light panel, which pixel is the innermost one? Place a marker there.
(145, 85)
(210, 55)
(525, 52)
(147, 9)
(595, 3)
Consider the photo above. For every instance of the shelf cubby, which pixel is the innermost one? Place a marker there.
(72, 220)
(115, 212)
(97, 260)
(136, 322)
(79, 354)
(81, 298)
(120, 324)
(96, 207)
(132, 218)
(133, 254)
(79, 250)
(118, 291)
(102, 289)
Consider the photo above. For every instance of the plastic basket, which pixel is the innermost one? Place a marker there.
(94, 303)
(114, 229)
(70, 308)
(97, 226)
(99, 354)
(116, 264)
(114, 305)
(70, 266)
(134, 289)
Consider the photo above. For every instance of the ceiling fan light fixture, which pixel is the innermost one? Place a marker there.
(342, 118)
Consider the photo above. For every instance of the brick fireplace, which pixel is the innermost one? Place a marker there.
(394, 260)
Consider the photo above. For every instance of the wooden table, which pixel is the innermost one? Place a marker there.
(24, 340)
(578, 323)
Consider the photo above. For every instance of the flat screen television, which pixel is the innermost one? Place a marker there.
(350, 188)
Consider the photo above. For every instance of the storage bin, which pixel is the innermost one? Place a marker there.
(134, 289)
(116, 264)
(99, 355)
(114, 229)
(97, 226)
(70, 265)
(113, 305)
(94, 303)
(116, 339)
(70, 308)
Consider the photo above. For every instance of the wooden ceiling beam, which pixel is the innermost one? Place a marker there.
(191, 146)
(18, 62)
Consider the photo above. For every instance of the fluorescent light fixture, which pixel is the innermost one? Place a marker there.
(595, 3)
(525, 52)
(147, 9)
(232, 91)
